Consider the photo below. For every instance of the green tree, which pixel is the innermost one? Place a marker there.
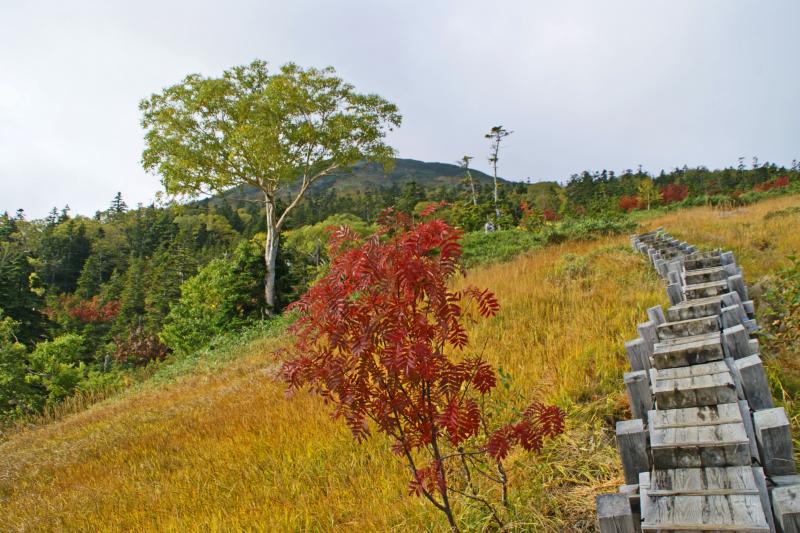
(16, 394)
(169, 269)
(19, 298)
(56, 365)
(132, 298)
(278, 132)
(118, 205)
(224, 294)
(648, 194)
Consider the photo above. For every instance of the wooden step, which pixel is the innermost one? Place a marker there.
(695, 309)
(695, 350)
(734, 512)
(693, 391)
(702, 261)
(702, 350)
(688, 328)
(716, 445)
(705, 290)
(686, 351)
(710, 481)
(707, 415)
(705, 275)
(703, 369)
(684, 340)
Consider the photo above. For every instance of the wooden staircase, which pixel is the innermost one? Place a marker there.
(706, 450)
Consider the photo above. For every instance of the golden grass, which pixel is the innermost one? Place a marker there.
(227, 451)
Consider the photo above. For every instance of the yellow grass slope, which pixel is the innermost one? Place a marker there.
(229, 452)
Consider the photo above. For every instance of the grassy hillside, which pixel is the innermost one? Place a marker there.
(223, 449)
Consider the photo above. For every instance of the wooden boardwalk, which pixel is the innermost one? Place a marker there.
(706, 450)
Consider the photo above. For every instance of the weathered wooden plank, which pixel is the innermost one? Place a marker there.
(703, 481)
(705, 290)
(647, 330)
(733, 315)
(705, 275)
(656, 315)
(710, 389)
(688, 328)
(734, 512)
(786, 506)
(736, 283)
(736, 342)
(675, 293)
(694, 309)
(763, 495)
(702, 260)
(638, 352)
(632, 443)
(754, 382)
(689, 351)
(709, 415)
(747, 420)
(737, 379)
(727, 258)
(774, 439)
(614, 514)
(694, 338)
(700, 446)
(704, 369)
(754, 346)
(638, 387)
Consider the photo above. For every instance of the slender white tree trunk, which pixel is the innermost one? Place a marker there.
(496, 206)
(270, 254)
(472, 186)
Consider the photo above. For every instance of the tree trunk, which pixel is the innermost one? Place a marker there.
(472, 186)
(270, 254)
(496, 207)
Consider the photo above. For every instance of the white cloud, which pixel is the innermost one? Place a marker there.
(584, 84)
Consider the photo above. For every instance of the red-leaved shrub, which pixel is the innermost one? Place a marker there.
(777, 183)
(94, 311)
(381, 338)
(550, 215)
(674, 192)
(628, 203)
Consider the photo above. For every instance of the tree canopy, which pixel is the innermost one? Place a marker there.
(278, 132)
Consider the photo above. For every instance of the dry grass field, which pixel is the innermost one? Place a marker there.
(227, 451)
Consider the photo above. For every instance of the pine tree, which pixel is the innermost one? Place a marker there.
(132, 298)
(52, 217)
(169, 269)
(118, 205)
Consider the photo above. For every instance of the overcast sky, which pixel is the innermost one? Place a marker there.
(583, 84)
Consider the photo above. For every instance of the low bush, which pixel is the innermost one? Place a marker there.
(496, 246)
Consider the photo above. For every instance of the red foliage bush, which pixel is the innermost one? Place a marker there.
(93, 311)
(377, 338)
(550, 215)
(139, 348)
(628, 203)
(674, 192)
(777, 183)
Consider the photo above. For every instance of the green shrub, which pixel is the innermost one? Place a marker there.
(16, 394)
(789, 211)
(481, 248)
(223, 295)
(56, 366)
(503, 245)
